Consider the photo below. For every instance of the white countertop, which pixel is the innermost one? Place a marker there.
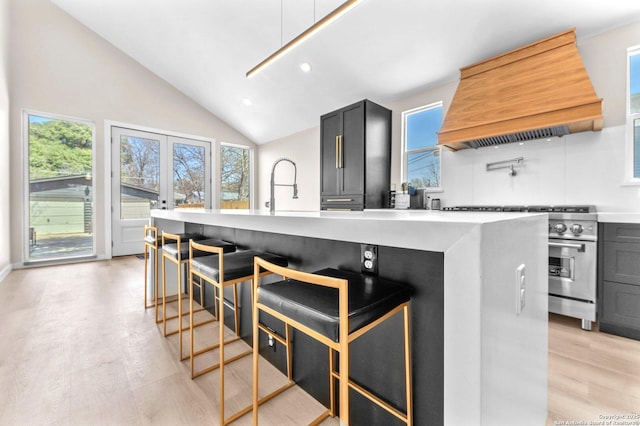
(619, 217)
(417, 229)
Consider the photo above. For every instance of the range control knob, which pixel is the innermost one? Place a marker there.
(560, 228)
(576, 228)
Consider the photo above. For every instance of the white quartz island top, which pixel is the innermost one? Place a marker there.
(495, 358)
(417, 229)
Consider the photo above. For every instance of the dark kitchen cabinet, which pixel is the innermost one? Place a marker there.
(619, 279)
(355, 154)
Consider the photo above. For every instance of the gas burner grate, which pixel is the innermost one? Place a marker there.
(531, 209)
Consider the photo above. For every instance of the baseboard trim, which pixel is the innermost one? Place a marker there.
(5, 272)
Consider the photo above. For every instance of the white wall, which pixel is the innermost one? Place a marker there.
(59, 66)
(581, 168)
(4, 139)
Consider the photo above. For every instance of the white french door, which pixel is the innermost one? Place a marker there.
(153, 171)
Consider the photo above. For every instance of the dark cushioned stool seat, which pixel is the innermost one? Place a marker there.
(238, 265)
(316, 307)
(183, 238)
(172, 249)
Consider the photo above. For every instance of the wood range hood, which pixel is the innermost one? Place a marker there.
(537, 91)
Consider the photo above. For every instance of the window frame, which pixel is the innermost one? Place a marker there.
(25, 165)
(630, 179)
(252, 176)
(406, 152)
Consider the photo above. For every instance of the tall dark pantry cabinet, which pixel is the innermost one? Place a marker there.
(355, 151)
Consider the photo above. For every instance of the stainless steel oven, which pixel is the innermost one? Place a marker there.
(572, 265)
(573, 234)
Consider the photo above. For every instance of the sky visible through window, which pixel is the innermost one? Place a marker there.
(423, 127)
(634, 108)
(423, 163)
(635, 73)
(634, 83)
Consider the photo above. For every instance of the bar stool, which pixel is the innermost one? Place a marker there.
(178, 253)
(221, 271)
(152, 241)
(335, 308)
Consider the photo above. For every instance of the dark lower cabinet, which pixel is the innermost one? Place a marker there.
(619, 279)
(355, 155)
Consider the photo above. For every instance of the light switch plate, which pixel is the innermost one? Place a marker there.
(520, 285)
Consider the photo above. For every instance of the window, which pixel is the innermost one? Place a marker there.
(633, 118)
(421, 151)
(235, 176)
(59, 220)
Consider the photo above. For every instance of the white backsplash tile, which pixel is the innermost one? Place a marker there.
(584, 168)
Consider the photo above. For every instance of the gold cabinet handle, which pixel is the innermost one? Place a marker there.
(339, 200)
(337, 151)
(330, 209)
(341, 152)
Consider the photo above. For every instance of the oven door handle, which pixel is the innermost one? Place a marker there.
(579, 247)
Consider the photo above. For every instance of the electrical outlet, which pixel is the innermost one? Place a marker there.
(369, 258)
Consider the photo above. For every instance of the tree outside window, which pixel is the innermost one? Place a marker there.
(235, 177)
(60, 191)
(422, 153)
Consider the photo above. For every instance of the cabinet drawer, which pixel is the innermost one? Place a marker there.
(342, 199)
(343, 207)
(620, 304)
(622, 232)
(622, 262)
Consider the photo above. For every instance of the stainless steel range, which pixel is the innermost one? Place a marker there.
(573, 235)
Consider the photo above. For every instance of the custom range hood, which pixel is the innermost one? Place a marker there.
(537, 91)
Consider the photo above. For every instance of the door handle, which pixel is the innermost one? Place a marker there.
(579, 247)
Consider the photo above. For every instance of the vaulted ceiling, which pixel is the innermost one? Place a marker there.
(381, 50)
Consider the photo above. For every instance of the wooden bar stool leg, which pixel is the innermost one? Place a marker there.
(156, 289)
(151, 232)
(343, 308)
(221, 348)
(164, 297)
(179, 266)
(236, 311)
(256, 343)
(407, 363)
(146, 258)
(191, 348)
(332, 384)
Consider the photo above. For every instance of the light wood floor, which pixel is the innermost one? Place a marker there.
(77, 348)
(591, 374)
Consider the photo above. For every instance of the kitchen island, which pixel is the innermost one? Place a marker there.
(476, 360)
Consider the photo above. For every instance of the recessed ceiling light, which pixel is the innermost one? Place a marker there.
(247, 101)
(305, 67)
